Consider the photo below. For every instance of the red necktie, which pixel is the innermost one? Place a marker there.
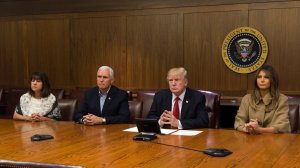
(176, 108)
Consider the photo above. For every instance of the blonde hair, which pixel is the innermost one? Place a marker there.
(177, 71)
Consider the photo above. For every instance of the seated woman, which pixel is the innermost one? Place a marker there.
(38, 104)
(265, 110)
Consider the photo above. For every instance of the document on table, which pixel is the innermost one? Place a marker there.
(133, 129)
(186, 132)
(170, 131)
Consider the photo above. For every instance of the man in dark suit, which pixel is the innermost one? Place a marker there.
(104, 104)
(179, 106)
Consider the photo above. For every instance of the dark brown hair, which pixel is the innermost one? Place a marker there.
(274, 83)
(45, 83)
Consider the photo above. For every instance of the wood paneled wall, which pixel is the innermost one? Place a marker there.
(141, 45)
(280, 25)
(98, 41)
(37, 7)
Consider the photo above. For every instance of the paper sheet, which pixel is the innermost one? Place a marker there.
(133, 129)
(186, 132)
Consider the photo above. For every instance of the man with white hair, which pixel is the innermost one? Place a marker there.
(104, 104)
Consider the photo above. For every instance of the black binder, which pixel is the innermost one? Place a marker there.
(148, 129)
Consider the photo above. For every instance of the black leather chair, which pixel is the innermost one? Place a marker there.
(11, 100)
(147, 98)
(130, 97)
(294, 117)
(78, 94)
(19, 164)
(58, 93)
(2, 105)
(294, 100)
(1, 95)
(213, 107)
(67, 108)
(135, 109)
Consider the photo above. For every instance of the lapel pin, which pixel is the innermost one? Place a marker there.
(186, 101)
(109, 98)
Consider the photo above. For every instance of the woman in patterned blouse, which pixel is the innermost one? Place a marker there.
(38, 104)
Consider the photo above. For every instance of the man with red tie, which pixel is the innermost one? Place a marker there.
(179, 106)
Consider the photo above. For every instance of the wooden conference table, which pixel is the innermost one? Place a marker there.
(109, 146)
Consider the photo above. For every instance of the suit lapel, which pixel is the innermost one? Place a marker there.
(108, 99)
(185, 102)
(168, 101)
(97, 100)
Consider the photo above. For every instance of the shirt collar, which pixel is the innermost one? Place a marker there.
(105, 92)
(181, 96)
(266, 99)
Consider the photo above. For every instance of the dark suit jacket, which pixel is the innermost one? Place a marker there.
(193, 111)
(115, 108)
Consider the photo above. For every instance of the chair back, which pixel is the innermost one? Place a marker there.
(67, 108)
(147, 98)
(19, 164)
(212, 105)
(294, 117)
(1, 95)
(135, 109)
(58, 93)
(130, 97)
(78, 94)
(294, 99)
(11, 100)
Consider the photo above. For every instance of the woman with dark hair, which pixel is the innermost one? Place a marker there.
(38, 104)
(265, 110)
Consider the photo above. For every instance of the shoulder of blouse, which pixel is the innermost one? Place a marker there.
(282, 99)
(25, 96)
(51, 98)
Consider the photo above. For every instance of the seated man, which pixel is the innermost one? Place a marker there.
(179, 106)
(105, 104)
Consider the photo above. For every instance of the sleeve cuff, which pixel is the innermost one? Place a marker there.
(179, 125)
(81, 121)
(103, 121)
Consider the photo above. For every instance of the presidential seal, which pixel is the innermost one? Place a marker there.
(244, 50)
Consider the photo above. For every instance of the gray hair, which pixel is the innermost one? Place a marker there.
(111, 71)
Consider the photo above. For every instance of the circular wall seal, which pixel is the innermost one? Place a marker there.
(244, 50)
